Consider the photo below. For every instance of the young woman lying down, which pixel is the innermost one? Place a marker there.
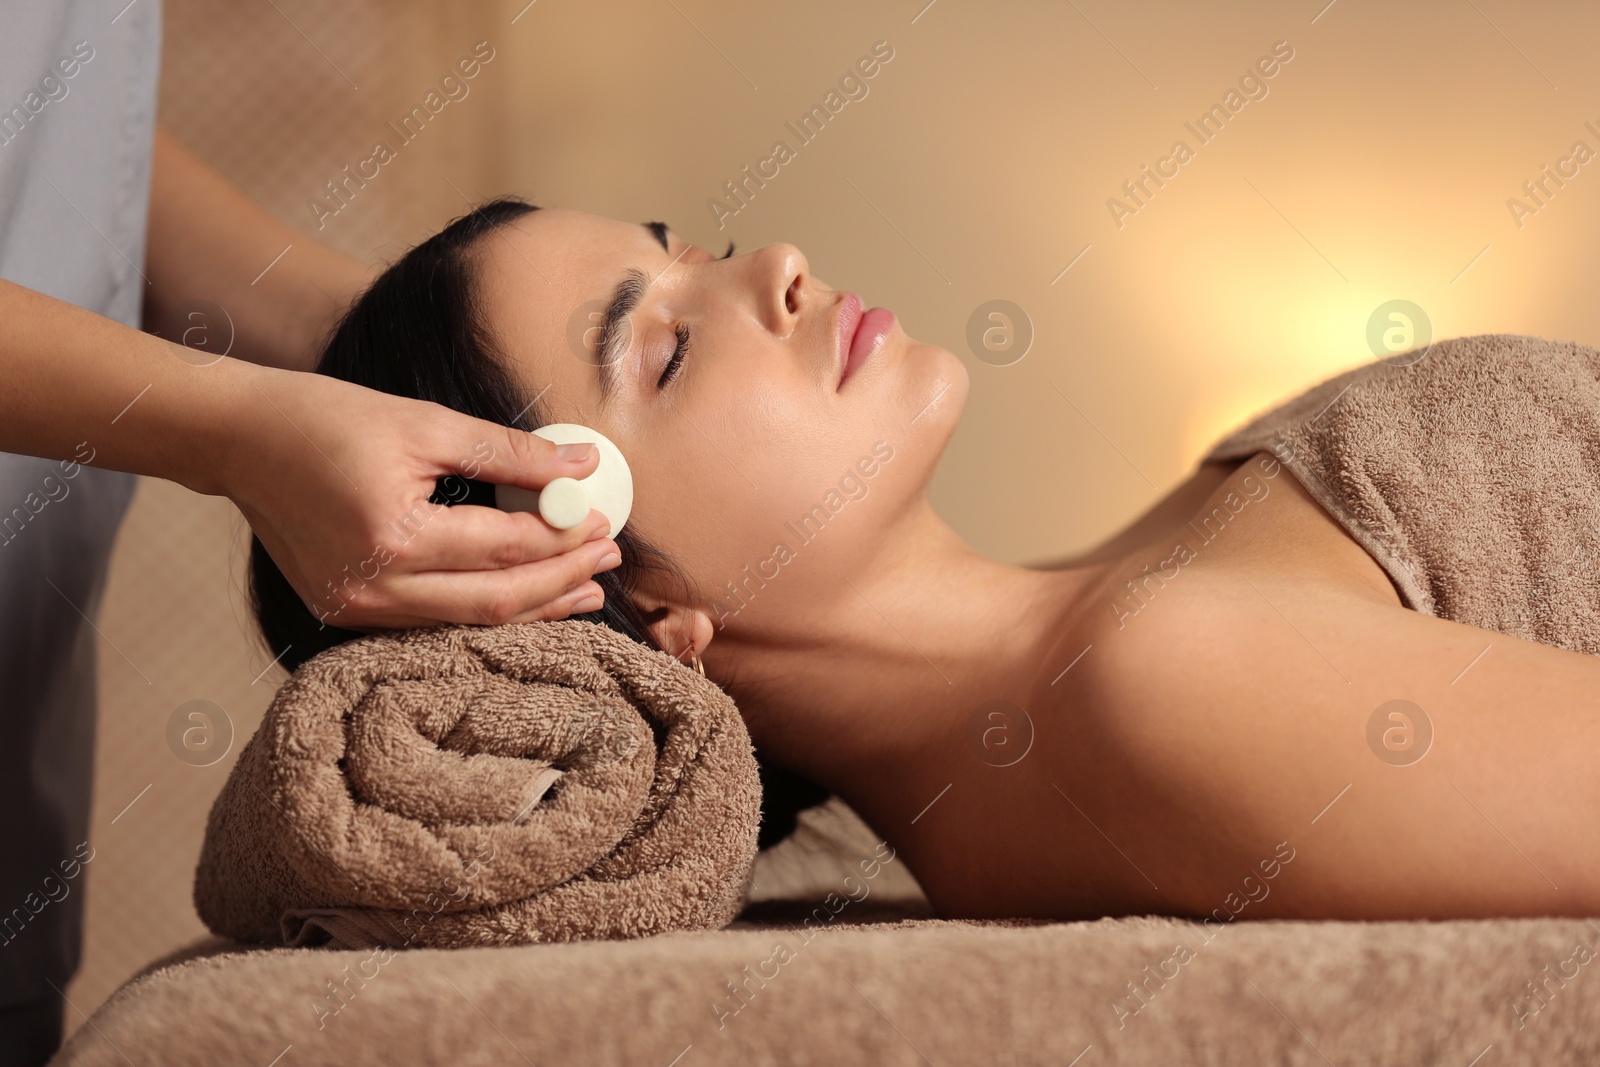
(1209, 713)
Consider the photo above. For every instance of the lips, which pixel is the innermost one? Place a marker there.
(861, 333)
(849, 317)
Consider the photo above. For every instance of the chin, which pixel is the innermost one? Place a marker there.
(939, 383)
(918, 404)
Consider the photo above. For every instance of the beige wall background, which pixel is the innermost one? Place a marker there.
(1378, 166)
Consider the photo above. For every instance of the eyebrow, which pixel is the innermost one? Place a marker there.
(624, 299)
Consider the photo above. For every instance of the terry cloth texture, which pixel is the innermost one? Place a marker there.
(1471, 476)
(1133, 992)
(546, 781)
(1470, 471)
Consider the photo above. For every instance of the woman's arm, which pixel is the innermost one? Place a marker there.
(1231, 715)
(280, 290)
(334, 478)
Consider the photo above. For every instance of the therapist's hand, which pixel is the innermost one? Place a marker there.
(335, 478)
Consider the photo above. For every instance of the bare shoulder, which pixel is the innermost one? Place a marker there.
(1428, 768)
(1190, 597)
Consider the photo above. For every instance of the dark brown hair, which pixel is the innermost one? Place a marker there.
(418, 332)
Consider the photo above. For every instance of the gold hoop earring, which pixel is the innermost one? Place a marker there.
(695, 662)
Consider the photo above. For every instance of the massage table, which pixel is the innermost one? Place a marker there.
(875, 978)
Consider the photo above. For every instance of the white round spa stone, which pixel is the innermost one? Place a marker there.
(565, 502)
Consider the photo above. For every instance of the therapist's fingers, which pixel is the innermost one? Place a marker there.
(529, 592)
(337, 507)
(505, 455)
(587, 597)
(469, 537)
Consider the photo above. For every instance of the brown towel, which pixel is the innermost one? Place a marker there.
(548, 781)
(1469, 471)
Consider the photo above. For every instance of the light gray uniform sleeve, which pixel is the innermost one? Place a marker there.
(78, 83)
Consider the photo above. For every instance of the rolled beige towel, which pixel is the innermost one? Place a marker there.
(1470, 472)
(546, 781)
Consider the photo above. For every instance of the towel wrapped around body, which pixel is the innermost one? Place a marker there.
(547, 781)
(1469, 470)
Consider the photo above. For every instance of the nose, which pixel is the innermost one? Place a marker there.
(782, 274)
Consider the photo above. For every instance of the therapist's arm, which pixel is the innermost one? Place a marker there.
(321, 468)
(280, 291)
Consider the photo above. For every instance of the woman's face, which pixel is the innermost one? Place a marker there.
(753, 468)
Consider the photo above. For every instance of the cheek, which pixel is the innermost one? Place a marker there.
(752, 511)
(757, 477)
(767, 451)
(696, 506)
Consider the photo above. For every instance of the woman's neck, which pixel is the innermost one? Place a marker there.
(872, 689)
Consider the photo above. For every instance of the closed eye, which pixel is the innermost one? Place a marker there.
(681, 349)
(675, 363)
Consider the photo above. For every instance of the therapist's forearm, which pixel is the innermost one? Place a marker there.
(209, 242)
(332, 477)
(74, 384)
